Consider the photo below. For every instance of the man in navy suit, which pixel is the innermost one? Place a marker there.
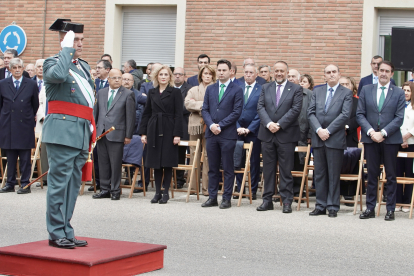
(5, 71)
(250, 61)
(222, 107)
(202, 60)
(19, 101)
(279, 107)
(102, 71)
(233, 72)
(380, 114)
(248, 125)
(373, 78)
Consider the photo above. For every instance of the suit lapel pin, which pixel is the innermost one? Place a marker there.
(289, 89)
(72, 90)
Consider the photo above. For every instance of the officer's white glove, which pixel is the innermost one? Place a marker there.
(68, 40)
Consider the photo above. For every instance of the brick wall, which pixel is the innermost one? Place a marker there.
(307, 34)
(30, 16)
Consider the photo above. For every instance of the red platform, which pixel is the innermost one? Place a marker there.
(100, 257)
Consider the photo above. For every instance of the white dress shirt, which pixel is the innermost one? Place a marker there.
(282, 87)
(374, 79)
(379, 91)
(109, 93)
(250, 89)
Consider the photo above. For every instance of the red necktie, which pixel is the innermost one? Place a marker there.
(75, 62)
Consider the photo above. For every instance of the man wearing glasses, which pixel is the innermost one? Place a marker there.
(179, 82)
(202, 60)
(102, 70)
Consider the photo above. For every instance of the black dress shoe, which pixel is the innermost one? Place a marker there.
(164, 199)
(115, 197)
(24, 191)
(265, 206)
(287, 208)
(63, 243)
(317, 212)
(254, 197)
(389, 216)
(78, 243)
(156, 198)
(210, 203)
(225, 204)
(237, 197)
(367, 214)
(101, 194)
(7, 189)
(384, 198)
(91, 189)
(333, 214)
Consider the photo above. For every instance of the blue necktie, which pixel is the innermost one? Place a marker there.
(40, 85)
(8, 74)
(328, 101)
(17, 84)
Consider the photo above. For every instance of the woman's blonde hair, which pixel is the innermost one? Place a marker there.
(211, 69)
(154, 75)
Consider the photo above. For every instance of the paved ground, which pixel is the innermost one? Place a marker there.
(238, 241)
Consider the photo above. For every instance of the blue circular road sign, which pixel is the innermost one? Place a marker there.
(13, 37)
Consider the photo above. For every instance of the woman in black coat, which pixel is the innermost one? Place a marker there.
(161, 129)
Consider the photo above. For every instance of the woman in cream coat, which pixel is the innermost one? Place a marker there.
(405, 165)
(196, 127)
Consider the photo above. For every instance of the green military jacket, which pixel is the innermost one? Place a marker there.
(63, 129)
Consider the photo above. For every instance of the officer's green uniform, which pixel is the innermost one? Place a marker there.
(67, 142)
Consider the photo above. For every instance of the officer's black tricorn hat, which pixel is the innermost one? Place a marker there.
(65, 25)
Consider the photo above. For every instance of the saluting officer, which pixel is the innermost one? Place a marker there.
(67, 131)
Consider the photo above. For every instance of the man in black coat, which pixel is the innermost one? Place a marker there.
(179, 76)
(5, 71)
(19, 102)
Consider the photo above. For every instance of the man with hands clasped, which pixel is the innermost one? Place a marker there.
(380, 114)
(328, 113)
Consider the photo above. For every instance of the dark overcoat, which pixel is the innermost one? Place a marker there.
(17, 113)
(161, 121)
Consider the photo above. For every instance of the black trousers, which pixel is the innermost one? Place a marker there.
(273, 152)
(405, 169)
(25, 164)
(375, 153)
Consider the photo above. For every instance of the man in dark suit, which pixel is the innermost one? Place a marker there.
(115, 107)
(179, 77)
(248, 125)
(380, 114)
(279, 107)
(328, 113)
(373, 78)
(5, 71)
(19, 102)
(222, 107)
(251, 62)
(102, 71)
(202, 60)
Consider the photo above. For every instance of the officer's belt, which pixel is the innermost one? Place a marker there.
(80, 111)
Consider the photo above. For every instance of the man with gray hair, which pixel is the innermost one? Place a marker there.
(250, 61)
(130, 66)
(19, 102)
(30, 68)
(7, 56)
(264, 72)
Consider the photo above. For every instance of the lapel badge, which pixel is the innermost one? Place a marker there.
(72, 90)
(288, 89)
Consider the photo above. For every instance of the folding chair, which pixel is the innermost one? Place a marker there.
(248, 147)
(400, 180)
(304, 175)
(35, 160)
(356, 177)
(1, 166)
(192, 169)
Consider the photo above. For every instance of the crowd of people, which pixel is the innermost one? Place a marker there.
(273, 106)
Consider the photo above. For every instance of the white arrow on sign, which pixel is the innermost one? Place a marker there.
(18, 37)
(5, 38)
(15, 47)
